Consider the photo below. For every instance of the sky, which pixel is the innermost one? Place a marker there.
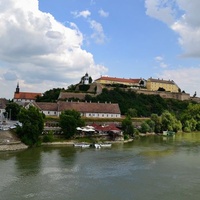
(46, 44)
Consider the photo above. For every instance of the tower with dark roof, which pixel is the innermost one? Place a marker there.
(17, 89)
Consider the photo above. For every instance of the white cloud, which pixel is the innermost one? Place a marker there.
(98, 32)
(161, 10)
(84, 13)
(183, 18)
(186, 78)
(102, 13)
(39, 51)
(158, 58)
(160, 61)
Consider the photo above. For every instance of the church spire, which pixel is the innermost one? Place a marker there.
(17, 88)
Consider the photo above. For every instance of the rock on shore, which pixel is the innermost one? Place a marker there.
(13, 147)
(9, 142)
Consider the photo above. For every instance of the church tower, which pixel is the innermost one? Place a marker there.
(17, 89)
(86, 79)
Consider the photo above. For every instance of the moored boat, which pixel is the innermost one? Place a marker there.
(105, 144)
(82, 145)
(98, 146)
(168, 133)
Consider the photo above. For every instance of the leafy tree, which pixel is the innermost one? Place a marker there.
(145, 127)
(158, 123)
(127, 126)
(198, 126)
(69, 121)
(71, 88)
(167, 120)
(32, 125)
(151, 124)
(170, 122)
(132, 112)
(190, 117)
(50, 95)
(190, 125)
(13, 110)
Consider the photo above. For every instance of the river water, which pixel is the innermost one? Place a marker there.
(149, 168)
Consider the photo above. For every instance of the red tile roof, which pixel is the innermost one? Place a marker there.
(89, 107)
(104, 128)
(122, 80)
(26, 95)
(46, 106)
(82, 107)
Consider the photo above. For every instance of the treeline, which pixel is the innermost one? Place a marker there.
(141, 105)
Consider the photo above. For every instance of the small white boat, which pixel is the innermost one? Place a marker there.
(106, 145)
(82, 145)
(85, 146)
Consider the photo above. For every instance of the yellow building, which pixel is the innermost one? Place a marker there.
(160, 84)
(106, 80)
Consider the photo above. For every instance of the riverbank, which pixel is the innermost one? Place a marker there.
(9, 142)
(13, 146)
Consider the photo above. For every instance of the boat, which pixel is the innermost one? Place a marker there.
(82, 145)
(168, 133)
(97, 146)
(105, 144)
(85, 146)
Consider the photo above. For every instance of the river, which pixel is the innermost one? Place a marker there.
(149, 168)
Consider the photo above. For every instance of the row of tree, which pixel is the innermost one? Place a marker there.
(187, 121)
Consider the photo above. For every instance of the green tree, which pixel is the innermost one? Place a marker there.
(132, 112)
(50, 95)
(198, 126)
(151, 124)
(127, 126)
(145, 127)
(170, 122)
(69, 121)
(190, 125)
(32, 125)
(13, 110)
(158, 123)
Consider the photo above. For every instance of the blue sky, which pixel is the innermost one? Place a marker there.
(52, 44)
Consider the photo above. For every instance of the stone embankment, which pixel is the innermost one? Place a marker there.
(9, 142)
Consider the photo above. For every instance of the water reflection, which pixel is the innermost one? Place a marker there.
(147, 168)
(28, 162)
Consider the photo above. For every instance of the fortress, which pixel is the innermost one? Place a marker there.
(151, 86)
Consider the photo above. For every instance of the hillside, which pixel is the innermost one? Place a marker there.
(144, 105)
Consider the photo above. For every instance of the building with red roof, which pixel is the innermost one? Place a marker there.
(24, 97)
(106, 80)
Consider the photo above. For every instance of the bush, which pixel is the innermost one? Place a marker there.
(48, 138)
